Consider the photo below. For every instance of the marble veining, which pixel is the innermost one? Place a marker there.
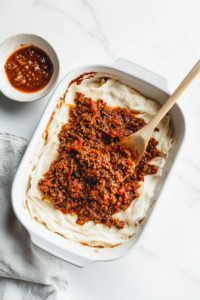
(178, 268)
(95, 32)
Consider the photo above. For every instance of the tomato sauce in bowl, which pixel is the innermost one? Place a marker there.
(29, 69)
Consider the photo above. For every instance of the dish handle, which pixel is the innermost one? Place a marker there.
(130, 68)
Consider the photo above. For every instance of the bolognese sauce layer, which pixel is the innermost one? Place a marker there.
(91, 177)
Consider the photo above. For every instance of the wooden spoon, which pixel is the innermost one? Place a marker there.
(137, 142)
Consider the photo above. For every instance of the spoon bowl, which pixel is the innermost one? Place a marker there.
(137, 142)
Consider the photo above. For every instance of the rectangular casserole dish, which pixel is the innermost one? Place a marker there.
(148, 84)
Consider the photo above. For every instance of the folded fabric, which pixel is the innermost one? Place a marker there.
(26, 271)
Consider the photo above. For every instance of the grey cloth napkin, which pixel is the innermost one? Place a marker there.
(26, 271)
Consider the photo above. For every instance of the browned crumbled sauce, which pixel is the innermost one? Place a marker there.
(29, 69)
(92, 178)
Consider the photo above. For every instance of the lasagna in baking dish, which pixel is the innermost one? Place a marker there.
(85, 188)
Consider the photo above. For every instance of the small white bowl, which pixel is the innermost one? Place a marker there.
(19, 41)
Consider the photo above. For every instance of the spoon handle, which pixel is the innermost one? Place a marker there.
(174, 97)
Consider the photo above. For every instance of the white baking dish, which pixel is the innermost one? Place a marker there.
(148, 84)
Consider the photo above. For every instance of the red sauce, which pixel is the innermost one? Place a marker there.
(82, 77)
(92, 178)
(29, 69)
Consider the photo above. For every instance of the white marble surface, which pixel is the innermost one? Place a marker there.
(162, 36)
